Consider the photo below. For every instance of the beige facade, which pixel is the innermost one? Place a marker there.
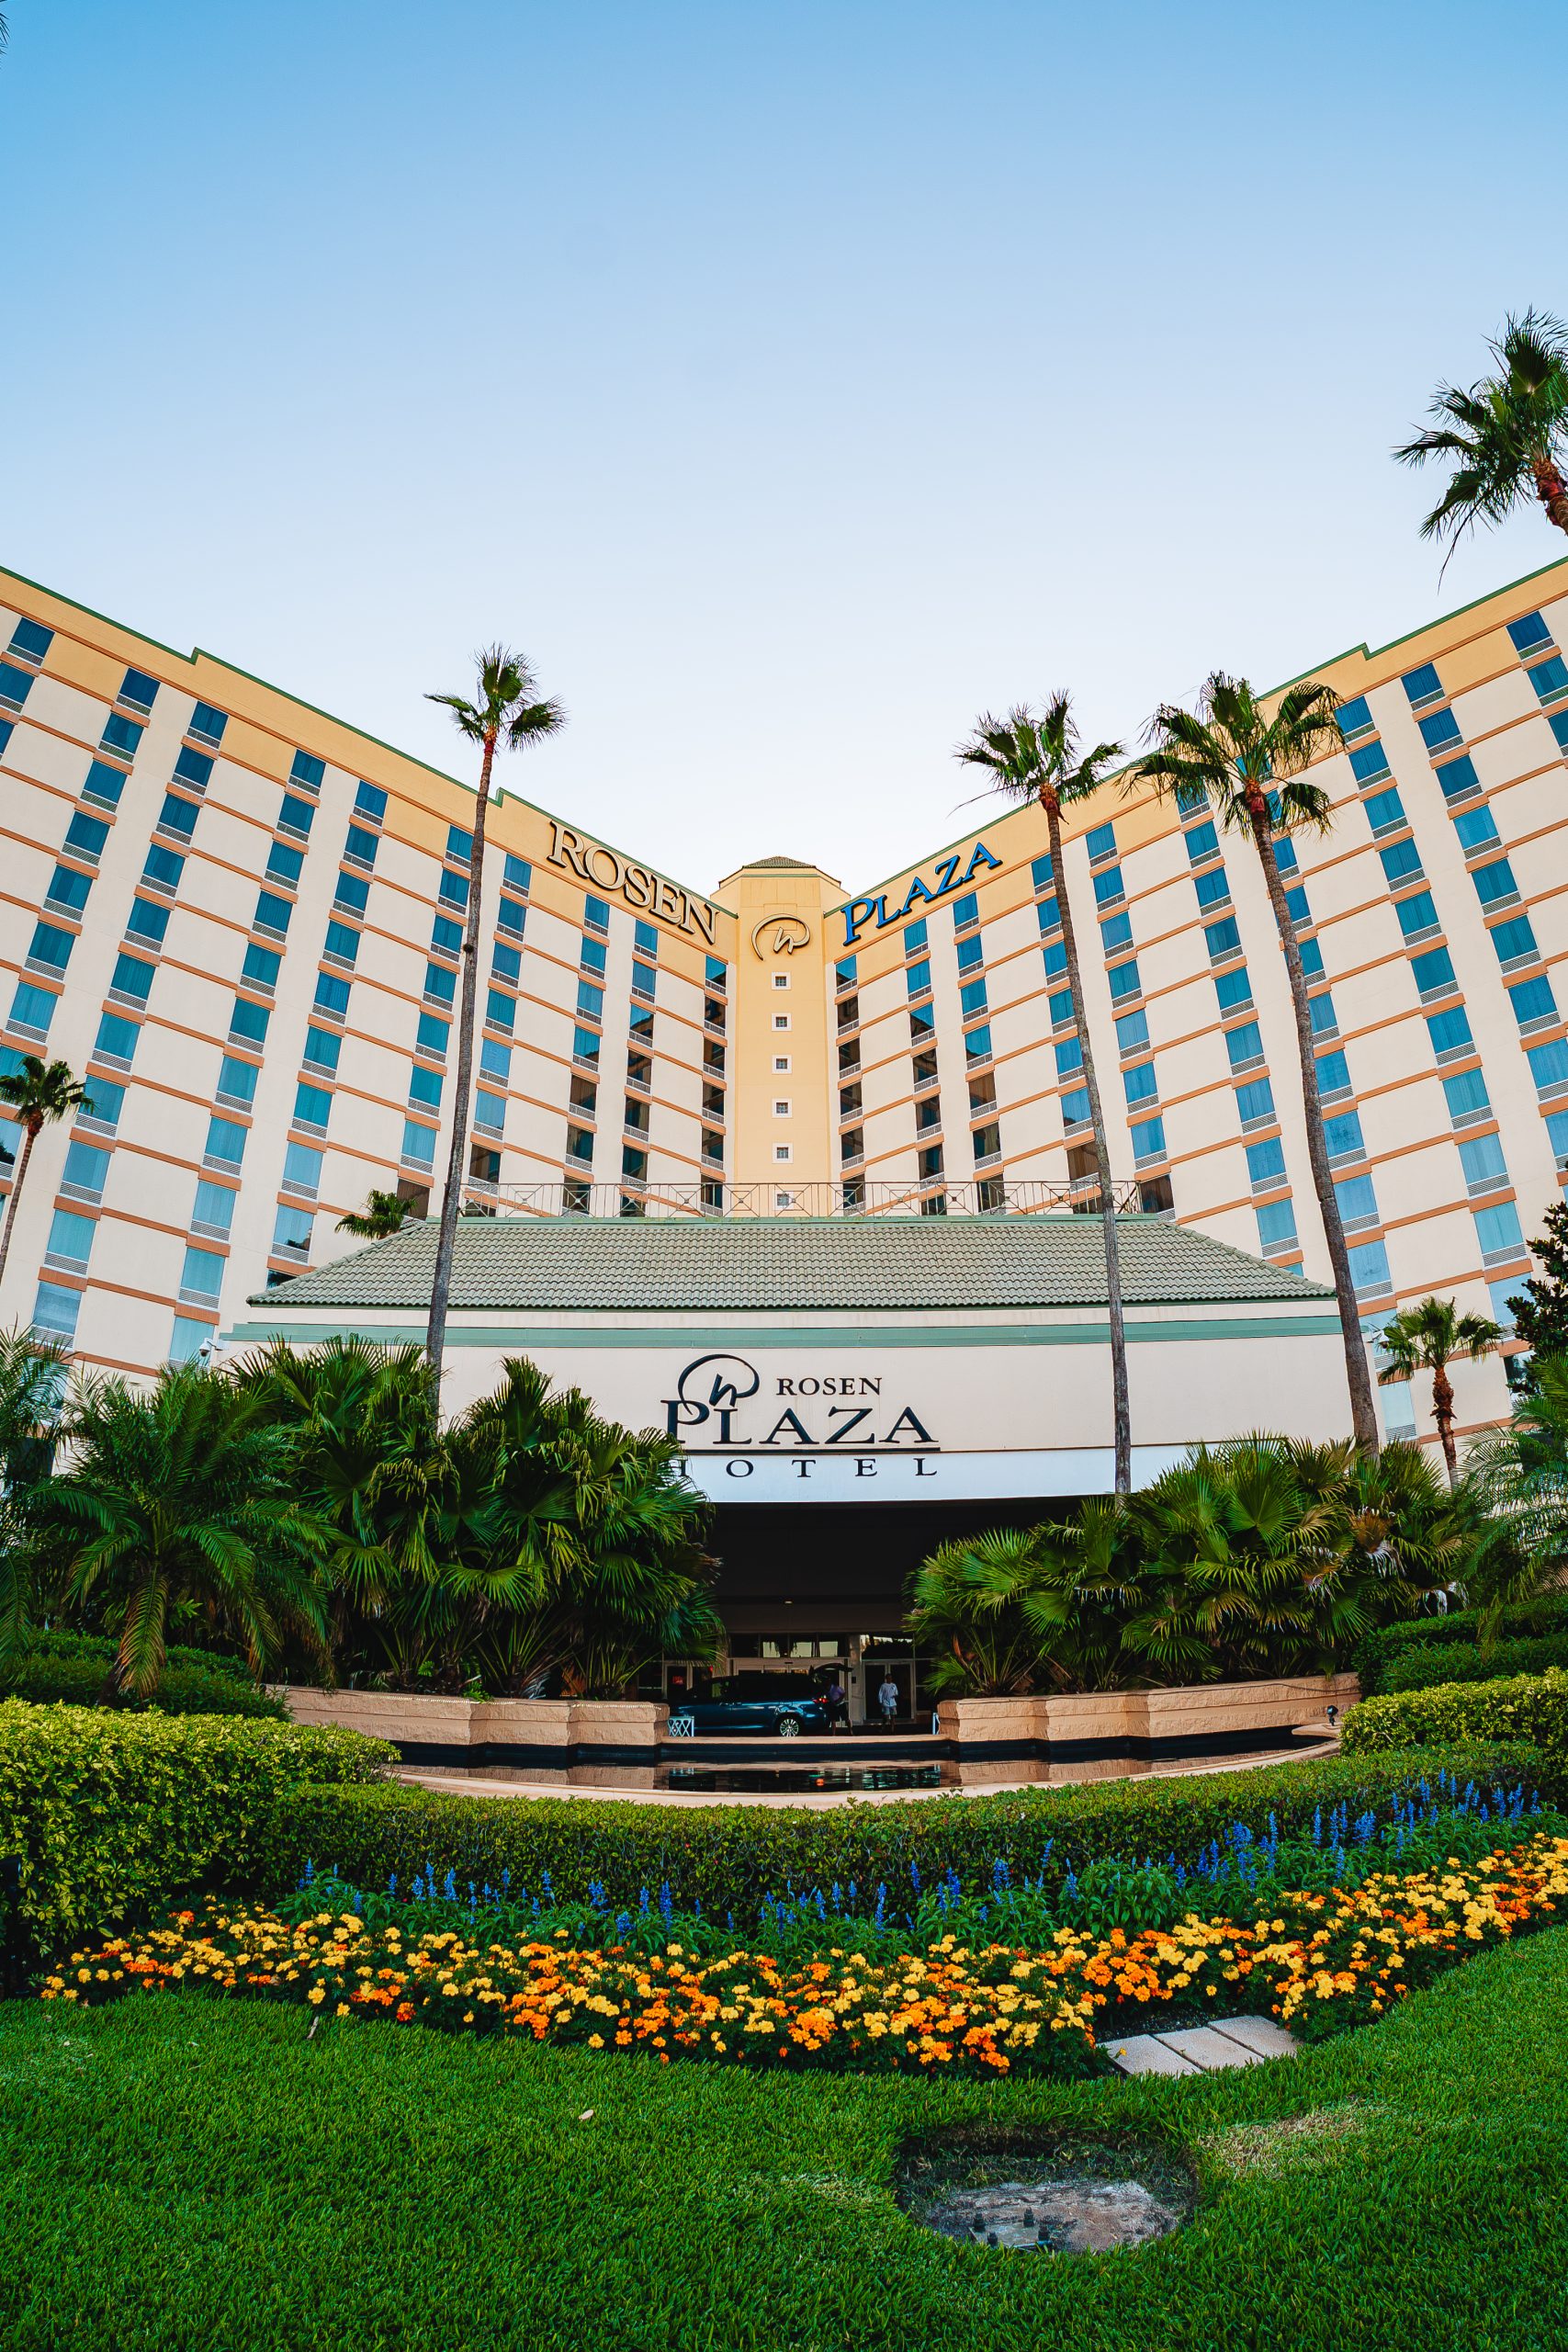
(238, 918)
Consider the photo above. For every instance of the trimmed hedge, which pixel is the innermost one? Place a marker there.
(72, 1669)
(1526, 1620)
(731, 1859)
(1421, 1666)
(1532, 1707)
(106, 1812)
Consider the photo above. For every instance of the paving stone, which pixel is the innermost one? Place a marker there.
(1143, 2053)
(1264, 2036)
(1209, 2049)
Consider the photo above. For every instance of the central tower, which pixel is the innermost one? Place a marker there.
(782, 1087)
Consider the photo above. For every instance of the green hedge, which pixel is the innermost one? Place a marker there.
(106, 1812)
(1532, 1707)
(1527, 1620)
(1420, 1667)
(731, 1858)
(73, 1671)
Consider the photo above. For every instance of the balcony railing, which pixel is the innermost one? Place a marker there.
(993, 1196)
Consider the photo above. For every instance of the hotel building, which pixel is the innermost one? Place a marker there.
(238, 919)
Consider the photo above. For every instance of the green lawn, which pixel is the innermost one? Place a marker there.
(179, 2172)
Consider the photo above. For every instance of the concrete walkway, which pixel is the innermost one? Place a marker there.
(1203, 2049)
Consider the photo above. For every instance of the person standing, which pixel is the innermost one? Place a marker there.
(888, 1699)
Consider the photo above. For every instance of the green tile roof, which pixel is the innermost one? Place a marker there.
(648, 1265)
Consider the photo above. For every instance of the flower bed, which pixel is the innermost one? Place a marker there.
(1323, 1960)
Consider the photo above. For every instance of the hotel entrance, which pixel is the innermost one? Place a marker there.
(862, 1664)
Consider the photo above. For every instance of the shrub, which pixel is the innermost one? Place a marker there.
(1532, 1707)
(106, 1812)
(1420, 1665)
(75, 1669)
(1525, 1619)
(733, 1861)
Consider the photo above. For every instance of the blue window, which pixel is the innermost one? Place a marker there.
(971, 952)
(69, 888)
(1354, 716)
(1384, 810)
(302, 1168)
(584, 1046)
(1416, 915)
(445, 938)
(104, 785)
(1069, 1057)
(342, 943)
(1054, 956)
(1434, 972)
(261, 967)
(1549, 678)
(284, 864)
(1203, 841)
(1357, 1200)
(116, 1043)
(977, 1044)
(237, 1080)
(321, 1049)
(418, 1144)
(1497, 1229)
(1285, 856)
(132, 978)
(1148, 1140)
(1266, 1161)
(193, 768)
(591, 1000)
(1221, 938)
(495, 1059)
(490, 1113)
(1475, 827)
(517, 874)
(1140, 1084)
(917, 977)
(459, 844)
(1342, 1135)
(1467, 1094)
(208, 723)
(352, 894)
(645, 939)
(1494, 882)
(1514, 940)
(137, 689)
(360, 845)
(308, 771)
(1481, 1156)
(271, 913)
(331, 994)
(645, 978)
(1548, 1065)
(1400, 862)
(965, 911)
(370, 802)
(510, 916)
(164, 866)
(177, 815)
(914, 938)
(1296, 906)
(1232, 989)
(1458, 778)
(440, 982)
(1311, 954)
(1043, 874)
(1100, 842)
(1115, 932)
(292, 1230)
(1108, 886)
(1075, 1108)
(248, 1020)
(225, 1141)
(1276, 1224)
(596, 913)
(1557, 1132)
(1245, 1045)
(453, 890)
(1333, 1074)
(32, 1009)
(122, 734)
(1533, 1001)
(1528, 632)
(1049, 912)
(15, 686)
(593, 953)
(312, 1105)
(55, 1311)
(1368, 762)
(1450, 1031)
(1558, 724)
(85, 835)
(31, 640)
(972, 1000)
(147, 921)
(1439, 730)
(1255, 1101)
(1320, 1014)
(86, 1168)
(1423, 684)
(1212, 887)
(1061, 1007)
(506, 964)
(1369, 1270)
(425, 1085)
(1131, 1031)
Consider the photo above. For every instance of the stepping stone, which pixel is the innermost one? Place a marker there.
(1146, 2054)
(1265, 2036)
(1210, 2048)
(1203, 2048)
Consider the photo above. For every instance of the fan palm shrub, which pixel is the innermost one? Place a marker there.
(1040, 758)
(506, 710)
(1518, 1476)
(383, 1214)
(1505, 441)
(32, 1376)
(38, 1093)
(1249, 763)
(1426, 1338)
(966, 1609)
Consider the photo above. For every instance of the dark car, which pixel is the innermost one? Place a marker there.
(781, 1704)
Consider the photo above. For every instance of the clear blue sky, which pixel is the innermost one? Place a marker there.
(791, 382)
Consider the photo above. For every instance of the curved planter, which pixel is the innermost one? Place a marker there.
(603, 1743)
(1105, 1734)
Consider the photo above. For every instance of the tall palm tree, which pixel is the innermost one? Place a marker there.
(384, 1214)
(1426, 1338)
(507, 709)
(1506, 439)
(1250, 767)
(1031, 758)
(39, 1093)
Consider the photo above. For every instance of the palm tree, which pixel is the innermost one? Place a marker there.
(39, 1093)
(383, 1214)
(1039, 758)
(1519, 1475)
(966, 1609)
(1426, 1337)
(181, 1495)
(1249, 767)
(508, 709)
(1507, 438)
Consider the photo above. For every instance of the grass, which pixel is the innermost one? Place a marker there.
(178, 2172)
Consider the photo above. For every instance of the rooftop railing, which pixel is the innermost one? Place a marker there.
(995, 1196)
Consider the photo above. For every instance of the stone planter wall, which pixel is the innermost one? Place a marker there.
(1106, 1735)
(603, 1743)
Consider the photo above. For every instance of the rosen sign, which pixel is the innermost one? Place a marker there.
(605, 869)
(721, 1402)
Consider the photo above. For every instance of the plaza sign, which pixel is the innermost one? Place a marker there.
(859, 913)
(722, 1397)
(606, 869)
